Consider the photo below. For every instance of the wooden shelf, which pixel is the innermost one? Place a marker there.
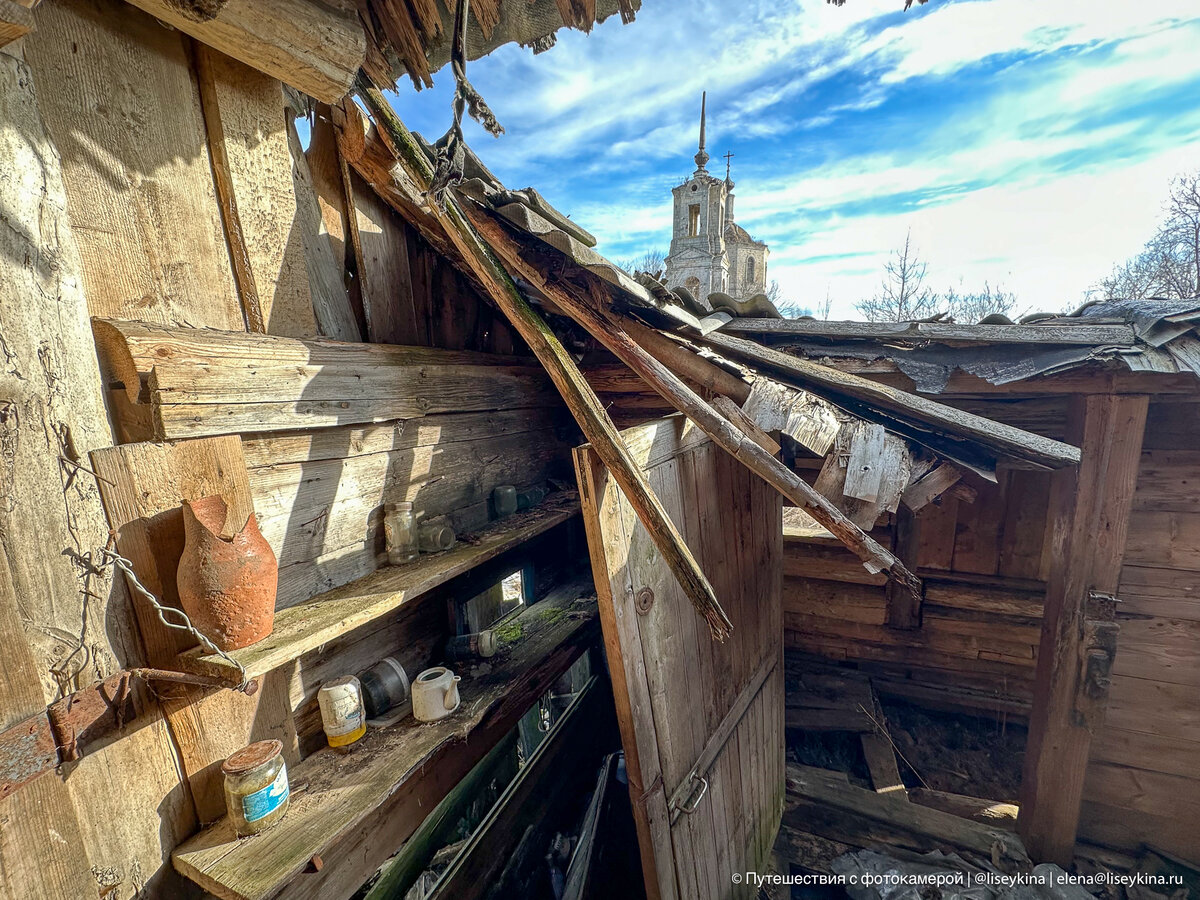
(354, 810)
(299, 629)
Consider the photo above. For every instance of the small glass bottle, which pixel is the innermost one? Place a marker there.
(400, 532)
(504, 499)
(434, 537)
(256, 787)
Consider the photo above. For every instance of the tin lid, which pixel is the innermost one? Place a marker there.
(251, 757)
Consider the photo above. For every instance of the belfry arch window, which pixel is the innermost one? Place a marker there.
(694, 220)
(750, 270)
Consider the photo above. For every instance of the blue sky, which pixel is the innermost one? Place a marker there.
(1028, 143)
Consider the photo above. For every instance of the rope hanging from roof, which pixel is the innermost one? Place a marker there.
(451, 147)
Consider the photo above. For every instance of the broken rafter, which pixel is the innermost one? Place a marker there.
(609, 331)
(956, 434)
(411, 177)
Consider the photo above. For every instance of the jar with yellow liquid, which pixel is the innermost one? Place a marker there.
(342, 713)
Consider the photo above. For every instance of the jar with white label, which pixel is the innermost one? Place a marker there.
(256, 787)
(342, 714)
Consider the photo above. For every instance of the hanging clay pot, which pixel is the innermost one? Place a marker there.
(226, 585)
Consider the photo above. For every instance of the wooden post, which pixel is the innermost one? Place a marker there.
(1088, 521)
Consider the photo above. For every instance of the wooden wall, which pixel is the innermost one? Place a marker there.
(985, 569)
(120, 216)
(1143, 781)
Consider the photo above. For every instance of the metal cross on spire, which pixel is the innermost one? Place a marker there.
(728, 156)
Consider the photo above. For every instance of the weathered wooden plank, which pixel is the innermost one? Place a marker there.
(904, 413)
(201, 382)
(358, 808)
(142, 203)
(930, 486)
(823, 803)
(924, 332)
(384, 271)
(1154, 752)
(881, 763)
(807, 419)
(276, 37)
(307, 626)
(1168, 540)
(987, 812)
(1089, 514)
(864, 464)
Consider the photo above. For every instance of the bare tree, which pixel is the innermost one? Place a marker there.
(1169, 265)
(652, 262)
(903, 295)
(971, 307)
(825, 305)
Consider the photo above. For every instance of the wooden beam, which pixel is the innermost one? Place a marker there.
(924, 332)
(734, 414)
(410, 179)
(609, 331)
(15, 21)
(235, 238)
(930, 486)
(940, 427)
(1089, 519)
(276, 37)
(688, 364)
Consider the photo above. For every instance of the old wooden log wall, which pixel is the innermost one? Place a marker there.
(986, 564)
(128, 147)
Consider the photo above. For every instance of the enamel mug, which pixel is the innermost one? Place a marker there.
(435, 694)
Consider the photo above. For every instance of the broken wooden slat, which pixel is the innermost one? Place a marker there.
(892, 466)
(992, 813)
(881, 763)
(864, 466)
(358, 808)
(202, 382)
(820, 802)
(411, 179)
(609, 331)
(806, 419)
(923, 332)
(940, 427)
(276, 37)
(930, 486)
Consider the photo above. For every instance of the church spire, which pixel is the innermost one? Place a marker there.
(702, 156)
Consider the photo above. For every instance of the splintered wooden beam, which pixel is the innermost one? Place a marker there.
(411, 177)
(609, 331)
(950, 431)
(276, 37)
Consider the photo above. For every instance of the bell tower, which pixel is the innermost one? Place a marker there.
(697, 256)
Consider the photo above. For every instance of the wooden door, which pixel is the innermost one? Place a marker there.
(701, 721)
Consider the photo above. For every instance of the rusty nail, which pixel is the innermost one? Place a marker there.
(643, 600)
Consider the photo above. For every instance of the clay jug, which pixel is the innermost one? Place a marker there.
(226, 585)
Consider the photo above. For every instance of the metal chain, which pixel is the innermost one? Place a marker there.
(184, 623)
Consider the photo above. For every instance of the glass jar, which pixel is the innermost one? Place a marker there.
(256, 787)
(400, 532)
(504, 500)
(434, 537)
